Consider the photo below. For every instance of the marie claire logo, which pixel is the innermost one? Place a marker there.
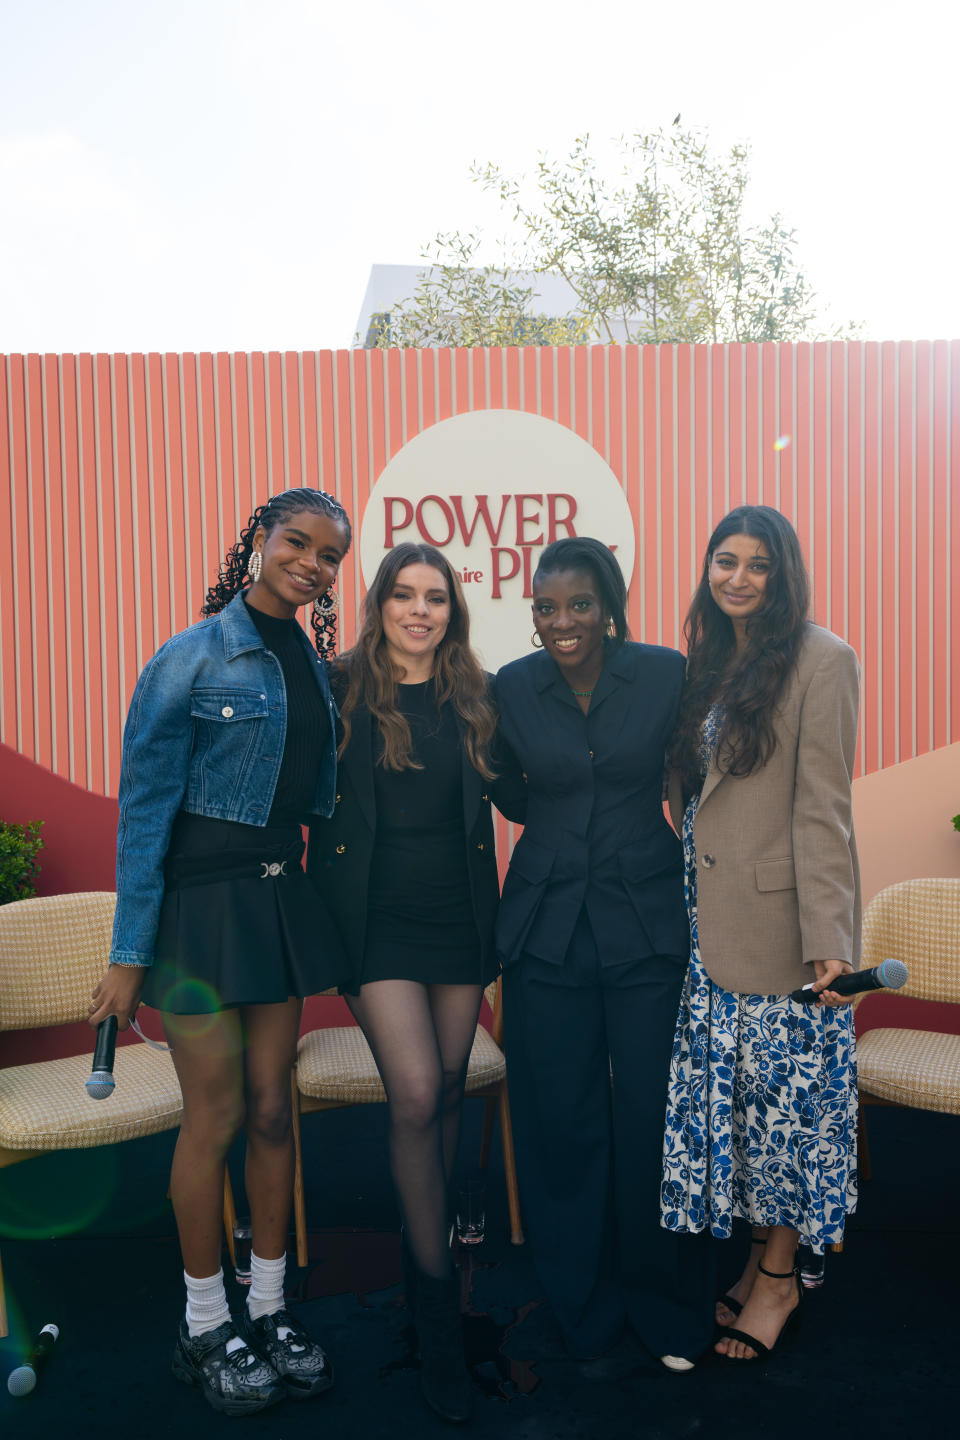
(441, 521)
(490, 489)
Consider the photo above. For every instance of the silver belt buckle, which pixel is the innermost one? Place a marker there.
(272, 868)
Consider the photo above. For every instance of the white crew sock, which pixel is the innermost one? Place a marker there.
(206, 1303)
(266, 1286)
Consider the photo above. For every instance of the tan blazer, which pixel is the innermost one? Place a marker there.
(778, 884)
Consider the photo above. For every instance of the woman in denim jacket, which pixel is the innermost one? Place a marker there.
(229, 745)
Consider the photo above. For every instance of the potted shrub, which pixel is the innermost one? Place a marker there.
(19, 868)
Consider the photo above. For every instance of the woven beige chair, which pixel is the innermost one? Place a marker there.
(53, 950)
(335, 1067)
(918, 922)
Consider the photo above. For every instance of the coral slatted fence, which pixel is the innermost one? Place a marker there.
(125, 477)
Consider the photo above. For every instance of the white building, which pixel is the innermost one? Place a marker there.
(554, 298)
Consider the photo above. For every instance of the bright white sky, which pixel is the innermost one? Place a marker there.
(221, 174)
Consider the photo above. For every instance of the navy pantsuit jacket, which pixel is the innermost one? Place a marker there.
(595, 833)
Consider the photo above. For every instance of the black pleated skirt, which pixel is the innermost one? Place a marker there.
(240, 923)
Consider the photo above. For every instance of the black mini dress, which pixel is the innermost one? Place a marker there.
(420, 923)
(240, 922)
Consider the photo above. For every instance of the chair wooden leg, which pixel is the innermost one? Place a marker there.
(863, 1149)
(486, 1136)
(510, 1166)
(229, 1215)
(3, 1306)
(299, 1201)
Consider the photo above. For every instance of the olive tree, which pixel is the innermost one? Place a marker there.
(658, 252)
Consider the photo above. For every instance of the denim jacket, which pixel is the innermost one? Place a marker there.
(205, 733)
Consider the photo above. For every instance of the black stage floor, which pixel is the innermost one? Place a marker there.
(89, 1243)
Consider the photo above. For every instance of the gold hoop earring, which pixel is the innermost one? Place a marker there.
(535, 640)
(254, 566)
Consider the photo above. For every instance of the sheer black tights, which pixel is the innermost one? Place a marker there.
(421, 1036)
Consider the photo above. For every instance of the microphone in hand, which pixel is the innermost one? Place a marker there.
(101, 1082)
(888, 976)
(24, 1379)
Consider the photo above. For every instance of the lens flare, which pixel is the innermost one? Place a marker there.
(193, 998)
(57, 1194)
(781, 442)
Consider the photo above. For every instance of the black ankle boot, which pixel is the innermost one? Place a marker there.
(444, 1378)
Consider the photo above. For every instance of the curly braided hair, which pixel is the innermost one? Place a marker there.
(232, 576)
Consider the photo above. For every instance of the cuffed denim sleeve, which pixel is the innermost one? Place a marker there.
(157, 742)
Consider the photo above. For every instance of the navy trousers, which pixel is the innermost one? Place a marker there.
(589, 1152)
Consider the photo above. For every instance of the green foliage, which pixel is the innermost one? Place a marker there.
(956, 822)
(661, 254)
(19, 847)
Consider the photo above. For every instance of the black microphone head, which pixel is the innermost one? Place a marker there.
(22, 1380)
(893, 974)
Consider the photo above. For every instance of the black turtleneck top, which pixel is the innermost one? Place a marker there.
(306, 719)
(419, 884)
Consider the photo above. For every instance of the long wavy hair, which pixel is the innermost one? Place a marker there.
(582, 552)
(233, 577)
(372, 678)
(748, 683)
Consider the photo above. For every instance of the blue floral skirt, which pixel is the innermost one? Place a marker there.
(761, 1108)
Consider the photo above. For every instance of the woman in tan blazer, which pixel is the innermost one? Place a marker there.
(761, 1115)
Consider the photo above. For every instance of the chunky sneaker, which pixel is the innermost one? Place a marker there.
(287, 1346)
(238, 1382)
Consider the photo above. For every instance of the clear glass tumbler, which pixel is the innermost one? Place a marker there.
(811, 1268)
(242, 1245)
(471, 1211)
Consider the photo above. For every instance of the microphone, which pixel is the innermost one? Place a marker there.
(24, 1379)
(101, 1081)
(888, 976)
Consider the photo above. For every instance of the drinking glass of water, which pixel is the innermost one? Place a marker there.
(471, 1211)
(242, 1245)
(811, 1269)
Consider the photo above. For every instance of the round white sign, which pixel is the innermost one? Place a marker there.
(491, 489)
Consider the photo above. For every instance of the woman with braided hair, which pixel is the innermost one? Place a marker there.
(229, 745)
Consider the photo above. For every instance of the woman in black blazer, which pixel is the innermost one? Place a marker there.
(407, 866)
(594, 940)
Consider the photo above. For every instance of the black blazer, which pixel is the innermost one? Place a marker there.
(340, 851)
(595, 831)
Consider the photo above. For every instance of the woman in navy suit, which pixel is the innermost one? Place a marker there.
(593, 936)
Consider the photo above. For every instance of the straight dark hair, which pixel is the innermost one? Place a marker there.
(372, 679)
(748, 683)
(582, 552)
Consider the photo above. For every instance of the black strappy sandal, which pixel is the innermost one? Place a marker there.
(735, 1306)
(762, 1351)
